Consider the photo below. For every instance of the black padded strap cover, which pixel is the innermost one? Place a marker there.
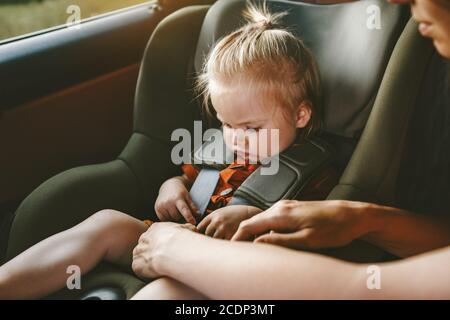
(297, 166)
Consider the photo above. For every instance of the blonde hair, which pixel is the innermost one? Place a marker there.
(264, 51)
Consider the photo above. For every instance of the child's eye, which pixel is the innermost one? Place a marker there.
(226, 125)
(256, 129)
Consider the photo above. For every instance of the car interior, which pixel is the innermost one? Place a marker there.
(86, 117)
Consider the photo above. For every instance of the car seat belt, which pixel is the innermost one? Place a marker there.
(203, 188)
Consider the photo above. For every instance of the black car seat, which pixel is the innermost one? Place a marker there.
(366, 72)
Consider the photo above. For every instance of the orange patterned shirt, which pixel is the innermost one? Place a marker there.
(230, 179)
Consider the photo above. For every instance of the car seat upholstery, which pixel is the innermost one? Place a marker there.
(352, 60)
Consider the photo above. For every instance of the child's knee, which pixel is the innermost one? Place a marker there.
(113, 223)
(106, 216)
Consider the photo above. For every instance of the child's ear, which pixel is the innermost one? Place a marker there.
(303, 115)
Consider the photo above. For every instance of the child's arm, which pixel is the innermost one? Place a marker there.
(174, 202)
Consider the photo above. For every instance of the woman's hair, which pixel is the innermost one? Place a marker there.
(265, 53)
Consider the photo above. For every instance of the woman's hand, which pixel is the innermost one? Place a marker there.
(174, 202)
(306, 225)
(223, 222)
(152, 243)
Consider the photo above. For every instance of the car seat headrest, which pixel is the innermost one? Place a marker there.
(352, 43)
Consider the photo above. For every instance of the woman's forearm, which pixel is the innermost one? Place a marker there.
(222, 269)
(240, 270)
(403, 233)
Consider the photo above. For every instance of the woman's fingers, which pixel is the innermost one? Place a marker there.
(297, 240)
(185, 211)
(260, 224)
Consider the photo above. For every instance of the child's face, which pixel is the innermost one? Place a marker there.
(251, 107)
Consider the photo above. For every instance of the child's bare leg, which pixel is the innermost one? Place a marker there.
(42, 269)
(167, 289)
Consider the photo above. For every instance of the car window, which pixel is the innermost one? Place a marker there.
(21, 17)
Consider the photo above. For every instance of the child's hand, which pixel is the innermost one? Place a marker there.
(224, 222)
(174, 202)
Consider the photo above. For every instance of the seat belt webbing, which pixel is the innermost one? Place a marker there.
(203, 188)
